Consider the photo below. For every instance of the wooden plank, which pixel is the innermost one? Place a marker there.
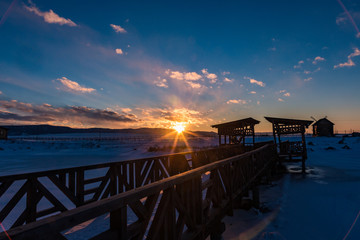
(157, 224)
(118, 222)
(5, 186)
(90, 191)
(31, 196)
(13, 201)
(102, 186)
(63, 188)
(72, 182)
(80, 187)
(139, 209)
(94, 180)
(49, 196)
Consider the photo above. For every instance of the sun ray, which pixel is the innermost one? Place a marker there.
(186, 142)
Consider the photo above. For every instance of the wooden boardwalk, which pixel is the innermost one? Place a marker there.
(178, 196)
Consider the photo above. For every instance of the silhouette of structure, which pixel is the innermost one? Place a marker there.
(3, 133)
(235, 132)
(323, 128)
(290, 151)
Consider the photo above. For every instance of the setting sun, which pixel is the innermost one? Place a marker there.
(179, 127)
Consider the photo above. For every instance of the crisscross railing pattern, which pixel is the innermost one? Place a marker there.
(183, 206)
(64, 189)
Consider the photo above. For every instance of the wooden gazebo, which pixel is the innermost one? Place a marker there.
(290, 151)
(235, 132)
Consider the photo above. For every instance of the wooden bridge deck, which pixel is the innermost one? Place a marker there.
(179, 196)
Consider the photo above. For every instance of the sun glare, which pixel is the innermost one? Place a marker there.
(179, 127)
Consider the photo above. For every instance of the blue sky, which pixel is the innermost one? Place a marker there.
(129, 64)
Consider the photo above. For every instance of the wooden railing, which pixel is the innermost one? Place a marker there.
(64, 189)
(183, 206)
(292, 148)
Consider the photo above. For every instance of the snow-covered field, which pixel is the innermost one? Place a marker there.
(323, 204)
(37, 153)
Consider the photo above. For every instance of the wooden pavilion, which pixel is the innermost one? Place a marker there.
(235, 132)
(294, 151)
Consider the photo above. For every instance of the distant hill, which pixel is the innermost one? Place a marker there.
(23, 130)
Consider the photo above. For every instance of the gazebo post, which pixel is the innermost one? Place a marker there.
(273, 126)
(304, 156)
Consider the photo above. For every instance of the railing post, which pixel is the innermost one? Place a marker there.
(80, 186)
(229, 170)
(118, 222)
(31, 203)
(256, 195)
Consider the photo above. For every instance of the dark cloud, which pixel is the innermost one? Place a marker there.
(72, 115)
(17, 117)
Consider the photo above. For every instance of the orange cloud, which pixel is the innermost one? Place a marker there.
(237, 101)
(50, 16)
(254, 81)
(72, 86)
(119, 51)
(118, 28)
(349, 62)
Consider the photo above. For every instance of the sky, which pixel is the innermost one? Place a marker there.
(132, 64)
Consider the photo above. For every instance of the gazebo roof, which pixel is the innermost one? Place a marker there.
(286, 121)
(238, 123)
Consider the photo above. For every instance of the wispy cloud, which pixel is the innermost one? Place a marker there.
(50, 16)
(118, 28)
(284, 93)
(192, 76)
(349, 62)
(194, 85)
(72, 86)
(188, 76)
(126, 110)
(280, 99)
(299, 64)
(119, 51)
(340, 20)
(162, 83)
(308, 79)
(228, 80)
(225, 73)
(318, 59)
(254, 81)
(237, 101)
(0, 92)
(252, 92)
(211, 76)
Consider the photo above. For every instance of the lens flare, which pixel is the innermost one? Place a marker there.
(179, 127)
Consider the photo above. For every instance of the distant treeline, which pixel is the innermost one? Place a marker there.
(23, 130)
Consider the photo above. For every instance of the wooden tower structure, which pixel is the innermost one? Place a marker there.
(294, 151)
(235, 132)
